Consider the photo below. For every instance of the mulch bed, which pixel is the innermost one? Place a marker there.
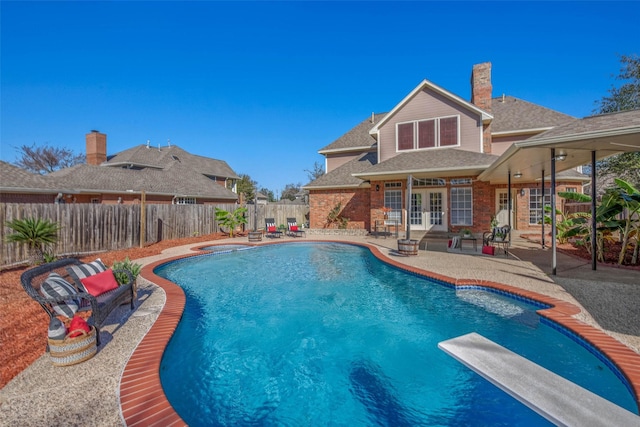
(23, 323)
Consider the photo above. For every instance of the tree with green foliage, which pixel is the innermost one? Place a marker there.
(44, 159)
(247, 187)
(37, 234)
(268, 193)
(626, 97)
(290, 191)
(231, 220)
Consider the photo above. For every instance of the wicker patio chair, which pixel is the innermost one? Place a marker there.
(101, 306)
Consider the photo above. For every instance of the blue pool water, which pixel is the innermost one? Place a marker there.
(326, 334)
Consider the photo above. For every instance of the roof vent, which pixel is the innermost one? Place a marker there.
(148, 143)
(168, 142)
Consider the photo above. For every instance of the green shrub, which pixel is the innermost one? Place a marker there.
(126, 265)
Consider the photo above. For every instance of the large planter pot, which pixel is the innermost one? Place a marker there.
(255, 236)
(408, 246)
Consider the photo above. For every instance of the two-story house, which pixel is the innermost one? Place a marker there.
(444, 143)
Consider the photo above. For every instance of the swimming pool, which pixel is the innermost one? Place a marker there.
(327, 334)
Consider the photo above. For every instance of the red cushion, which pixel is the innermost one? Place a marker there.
(77, 325)
(271, 229)
(100, 283)
(294, 228)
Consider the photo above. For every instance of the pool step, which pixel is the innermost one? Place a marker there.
(560, 401)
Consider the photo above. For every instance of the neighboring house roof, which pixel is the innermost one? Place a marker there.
(342, 177)
(445, 162)
(15, 179)
(357, 138)
(513, 115)
(176, 179)
(149, 157)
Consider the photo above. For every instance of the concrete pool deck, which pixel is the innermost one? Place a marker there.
(89, 393)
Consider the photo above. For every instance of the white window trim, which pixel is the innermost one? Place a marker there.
(437, 131)
(453, 190)
(183, 201)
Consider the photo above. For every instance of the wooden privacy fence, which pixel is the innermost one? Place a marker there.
(87, 228)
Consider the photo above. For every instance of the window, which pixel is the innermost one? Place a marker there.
(460, 181)
(429, 182)
(461, 206)
(571, 190)
(449, 131)
(405, 136)
(393, 200)
(536, 204)
(427, 134)
(432, 133)
(184, 201)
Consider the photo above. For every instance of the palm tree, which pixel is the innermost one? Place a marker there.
(36, 233)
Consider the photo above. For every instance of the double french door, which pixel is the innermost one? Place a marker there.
(428, 210)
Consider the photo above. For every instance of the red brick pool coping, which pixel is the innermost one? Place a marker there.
(142, 399)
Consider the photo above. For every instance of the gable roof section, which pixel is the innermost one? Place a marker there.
(15, 179)
(486, 117)
(144, 156)
(176, 180)
(513, 116)
(357, 139)
(342, 177)
(445, 162)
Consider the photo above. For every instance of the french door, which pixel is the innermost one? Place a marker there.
(502, 207)
(428, 210)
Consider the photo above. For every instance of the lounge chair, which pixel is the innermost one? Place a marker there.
(271, 228)
(499, 237)
(294, 230)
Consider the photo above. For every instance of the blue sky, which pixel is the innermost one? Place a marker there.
(265, 85)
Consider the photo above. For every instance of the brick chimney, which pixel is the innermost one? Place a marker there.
(96, 147)
(481, 97)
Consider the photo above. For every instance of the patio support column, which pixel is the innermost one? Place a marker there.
(594, 244)
(542, 204)
(509, 207)
(553, 212)
(409, 183)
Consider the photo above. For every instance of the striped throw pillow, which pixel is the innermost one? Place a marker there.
(79, 272)
(55, 286)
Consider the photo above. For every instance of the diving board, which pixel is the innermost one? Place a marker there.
(557, 399)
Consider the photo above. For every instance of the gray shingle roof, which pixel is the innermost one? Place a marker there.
(176, 180)
(599, 123)
(434, 160)
(511, 114)
(358, 137)
(163, 157)
(342, 176)
(15, 178)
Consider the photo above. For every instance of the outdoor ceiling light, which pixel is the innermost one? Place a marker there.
(561, 157)
(517, 175)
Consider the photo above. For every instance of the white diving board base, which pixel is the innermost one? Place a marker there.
(559, 400)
